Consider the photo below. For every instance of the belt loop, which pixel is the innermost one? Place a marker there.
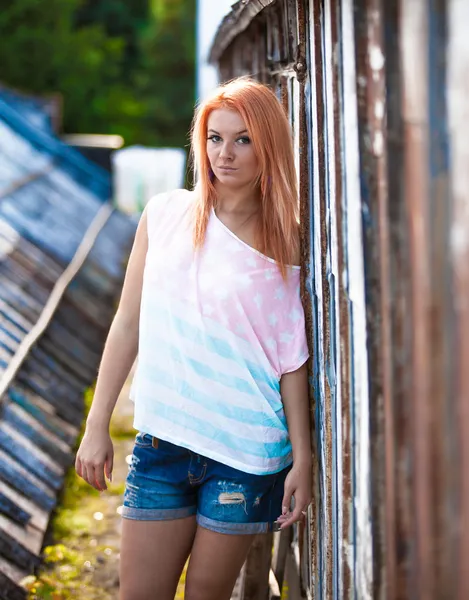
(154, 442)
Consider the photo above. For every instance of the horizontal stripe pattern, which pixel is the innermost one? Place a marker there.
(168, 389)
(205, 366)
(178, 320)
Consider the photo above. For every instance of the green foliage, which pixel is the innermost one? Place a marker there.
(122, 67)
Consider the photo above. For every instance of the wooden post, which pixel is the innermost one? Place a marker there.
(256, 582)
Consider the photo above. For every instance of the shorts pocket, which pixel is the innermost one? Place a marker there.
(143, 440)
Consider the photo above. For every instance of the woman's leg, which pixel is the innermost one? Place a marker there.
(216, 560)
(152, 557)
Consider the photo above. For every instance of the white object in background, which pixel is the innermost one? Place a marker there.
(140, 172)
(210, 14)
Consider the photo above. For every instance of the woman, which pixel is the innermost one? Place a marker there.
(211, 300)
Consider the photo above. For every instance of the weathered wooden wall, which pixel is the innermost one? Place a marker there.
(376, 92)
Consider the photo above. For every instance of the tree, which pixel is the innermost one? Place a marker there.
(167, 79)
(121, 67)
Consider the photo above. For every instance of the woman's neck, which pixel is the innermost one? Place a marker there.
(236, 201)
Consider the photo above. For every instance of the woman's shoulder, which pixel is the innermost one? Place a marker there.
(164, 199)
(167, 207)
(168, 203)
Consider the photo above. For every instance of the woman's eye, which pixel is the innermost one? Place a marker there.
(244, 140)
(214, 138)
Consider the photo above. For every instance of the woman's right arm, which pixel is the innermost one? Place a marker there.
(119, 354)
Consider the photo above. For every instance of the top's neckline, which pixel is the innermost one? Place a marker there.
(233, 235)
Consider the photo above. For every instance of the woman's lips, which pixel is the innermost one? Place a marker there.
(227, 169)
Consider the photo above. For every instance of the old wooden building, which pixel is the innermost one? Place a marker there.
(376, 92)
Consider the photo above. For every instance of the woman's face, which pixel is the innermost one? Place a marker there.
(230, 150)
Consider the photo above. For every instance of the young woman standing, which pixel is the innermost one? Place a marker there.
(211, 303)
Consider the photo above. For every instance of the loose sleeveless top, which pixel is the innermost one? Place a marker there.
(218, 328)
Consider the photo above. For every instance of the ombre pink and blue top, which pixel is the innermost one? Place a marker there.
(218, 328)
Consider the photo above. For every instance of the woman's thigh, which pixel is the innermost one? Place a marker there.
(215, 562)
(152, 557)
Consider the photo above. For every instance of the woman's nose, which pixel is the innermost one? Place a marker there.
(226, 151)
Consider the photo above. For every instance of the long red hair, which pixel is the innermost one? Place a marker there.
(270, 134)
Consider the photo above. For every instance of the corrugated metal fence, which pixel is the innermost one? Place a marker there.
(377, 96)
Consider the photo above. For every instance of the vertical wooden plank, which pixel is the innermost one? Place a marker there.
(334, 224)
(360, 559)
(257, 568)
(307, 246)
(319, 531)
(458, 110)
(351, 299)
(304, 531)
(414, 44)
(282, 541)
(444, 458)
(399, 527)
(373, 158)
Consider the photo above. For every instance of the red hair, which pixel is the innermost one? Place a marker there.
(270, 134)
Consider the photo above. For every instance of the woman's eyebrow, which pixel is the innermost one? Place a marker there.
(239, 132)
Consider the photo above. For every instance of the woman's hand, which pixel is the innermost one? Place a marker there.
(297, 485)
(95, 457)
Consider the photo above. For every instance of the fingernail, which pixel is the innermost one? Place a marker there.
(284, 510)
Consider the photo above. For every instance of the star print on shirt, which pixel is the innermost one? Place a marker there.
(258, 300)
(279, 293)
(273, 319)
(251, 262)
(295, 315)
(286, 338)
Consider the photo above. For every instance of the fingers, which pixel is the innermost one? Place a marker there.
(98, 473)
(93, 475)
(287, 518)
(108, 466)
(293, 517)
(286, 502)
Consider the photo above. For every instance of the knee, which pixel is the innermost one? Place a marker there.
(192, 590)
(199, 588)
(137, 592)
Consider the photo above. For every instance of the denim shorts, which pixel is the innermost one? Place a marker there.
(170, 482)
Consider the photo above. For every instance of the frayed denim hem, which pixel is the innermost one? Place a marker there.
(157, 514)
(234, 528)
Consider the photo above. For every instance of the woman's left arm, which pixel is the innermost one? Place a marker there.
(298, 484)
